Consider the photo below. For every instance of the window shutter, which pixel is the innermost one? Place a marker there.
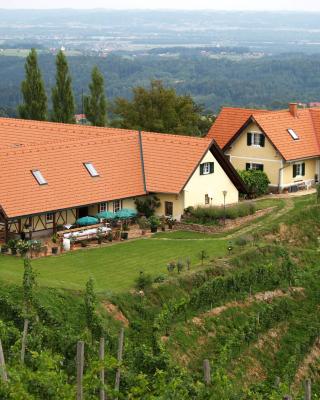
(249, 141)
(303, 169)
(261, 167)
(201, 169)
(294, 170)
(262, 140)
(211, 168)
(247, 166)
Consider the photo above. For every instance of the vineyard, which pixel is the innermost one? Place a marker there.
(251, 311)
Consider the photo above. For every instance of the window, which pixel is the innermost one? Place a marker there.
(206, 199)
(298, 169)
(255, 139)
(254, 166)
(102, 207)
(49, 217)
(117, 205)
(293, 134)
(91, 169)
(206, 168)
(39, 177)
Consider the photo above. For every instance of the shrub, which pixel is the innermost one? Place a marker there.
(143, 281)
(241, 241)
(147, 205)
(213, 214)
(159, 279)
(256, 181)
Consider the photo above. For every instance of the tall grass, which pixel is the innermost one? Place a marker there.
(212, 214)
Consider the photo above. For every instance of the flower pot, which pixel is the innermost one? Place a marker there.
(54, 250)
(124, 235)
(154, 229)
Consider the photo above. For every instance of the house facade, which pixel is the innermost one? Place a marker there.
(284, 144)
(53, 174)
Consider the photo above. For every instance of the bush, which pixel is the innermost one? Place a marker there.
(147, 205)
(213, 214)
(143, 281)
(256, 181)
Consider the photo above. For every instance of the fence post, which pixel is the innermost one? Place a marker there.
(307, 389)
(120, 352)
(207, 372)
(101, 373)
(24, 340)
(3, 371)
(80, 362)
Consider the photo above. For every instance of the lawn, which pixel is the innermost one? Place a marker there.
(114, 268)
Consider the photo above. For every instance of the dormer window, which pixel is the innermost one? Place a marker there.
(39, 177)
(293, 134)
(256, 139)
(91, 169)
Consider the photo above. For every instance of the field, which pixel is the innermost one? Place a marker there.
(254, 314)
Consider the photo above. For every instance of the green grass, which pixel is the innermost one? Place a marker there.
(114, 268)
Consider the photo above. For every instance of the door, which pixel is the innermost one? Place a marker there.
(83, 212)
(168, 208)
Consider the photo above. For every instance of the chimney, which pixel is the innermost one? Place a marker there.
(293, 108)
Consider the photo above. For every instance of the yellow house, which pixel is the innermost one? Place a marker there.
(53, 173)
(284, 144)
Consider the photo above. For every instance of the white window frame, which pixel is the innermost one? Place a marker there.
(298, 167)
(255, 137)
(117, 205)
(49, 217)
(102, 207)
(293, 134)
(206, 168)
(253, 166)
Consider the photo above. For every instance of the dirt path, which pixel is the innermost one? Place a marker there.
(310, 359)
(262, 296)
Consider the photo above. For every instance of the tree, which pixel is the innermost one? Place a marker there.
(256, 181)
(62, 95)
(95, 105)
(147, 205)
(160, 109)
(29, 282)
(33, 91)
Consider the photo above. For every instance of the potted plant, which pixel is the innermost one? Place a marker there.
(54, 248)
(99, 235)
(163, 223)
(170, 222)
(154, 223)
(125, 231)
(12, 244)
(143, 224)
(4, 249)
(109, 236)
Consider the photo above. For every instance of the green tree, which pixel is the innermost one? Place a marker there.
(160, 109)
(256, 181)
(62, 95)
(95, 105)
(33, 91)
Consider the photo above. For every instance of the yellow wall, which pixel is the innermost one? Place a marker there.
(240, 154)
(211, 184)
(310, 171)
(178, 204)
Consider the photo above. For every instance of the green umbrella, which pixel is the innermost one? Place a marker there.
(126, 213)
(84, 221)
(106, 215)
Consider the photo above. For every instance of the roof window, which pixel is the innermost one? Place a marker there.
(39, 177)
(293, 134)
(91, 169)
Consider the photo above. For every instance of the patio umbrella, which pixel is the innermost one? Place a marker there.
(106, 215)
(84, 221)
(126, 213)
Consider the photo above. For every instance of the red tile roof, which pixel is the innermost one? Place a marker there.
(59, 151)
(275, 125)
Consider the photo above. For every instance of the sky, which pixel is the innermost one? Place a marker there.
(290, 5)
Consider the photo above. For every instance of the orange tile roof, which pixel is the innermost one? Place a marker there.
(275, 125)
(59, 151)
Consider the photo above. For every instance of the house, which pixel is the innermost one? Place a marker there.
(52, 174)
(284, 144)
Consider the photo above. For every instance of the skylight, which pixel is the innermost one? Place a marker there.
(293, 134)
(39, 177)
(91, 169)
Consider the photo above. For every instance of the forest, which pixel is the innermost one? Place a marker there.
(270, 81)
